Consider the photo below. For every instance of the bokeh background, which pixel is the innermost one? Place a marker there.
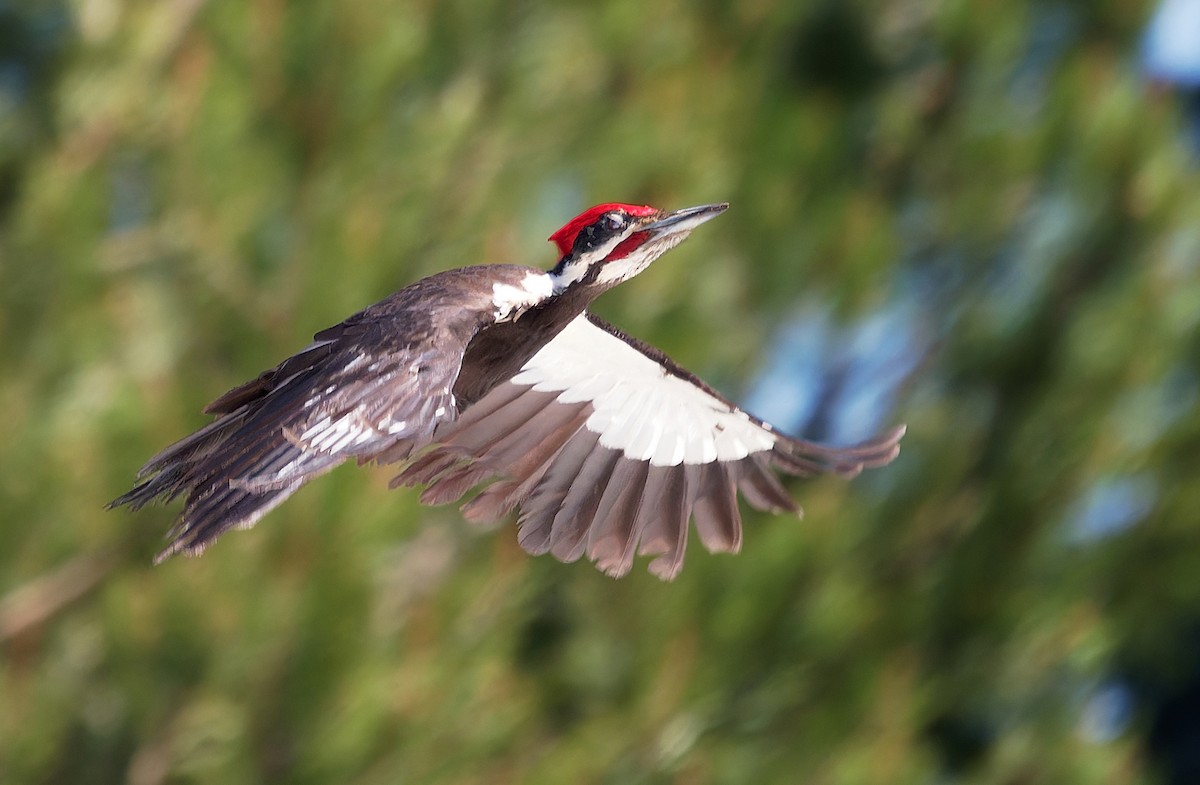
(980, 218)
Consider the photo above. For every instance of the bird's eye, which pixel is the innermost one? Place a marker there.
(614, 222)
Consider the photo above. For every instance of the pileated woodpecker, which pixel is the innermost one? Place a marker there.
(498, 376)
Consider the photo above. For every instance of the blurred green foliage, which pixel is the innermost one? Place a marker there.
(188, 190)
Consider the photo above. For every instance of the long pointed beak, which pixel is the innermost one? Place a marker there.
(684, 220)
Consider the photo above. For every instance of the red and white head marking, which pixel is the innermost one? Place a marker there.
(565, 237)
(610, 243)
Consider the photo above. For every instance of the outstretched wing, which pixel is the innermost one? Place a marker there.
(373, 388)
(609, 448)
(273, 435)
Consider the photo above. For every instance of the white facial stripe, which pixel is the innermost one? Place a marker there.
(639, 408)
(571, 272)
(641, 258)
(575, 269)
(668, 233)
(512, 301)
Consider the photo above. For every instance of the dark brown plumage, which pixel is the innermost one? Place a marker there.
(497, 377)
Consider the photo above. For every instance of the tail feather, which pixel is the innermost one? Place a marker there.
(167, 474)
(232, 472)
(191, 537)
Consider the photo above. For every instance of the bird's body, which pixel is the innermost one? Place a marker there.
(497, 376)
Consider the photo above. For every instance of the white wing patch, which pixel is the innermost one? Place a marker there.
(640, 408)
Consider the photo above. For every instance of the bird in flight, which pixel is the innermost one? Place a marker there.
(497, 376)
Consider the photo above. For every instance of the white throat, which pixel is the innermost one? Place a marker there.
(576, 268)
(614, 272)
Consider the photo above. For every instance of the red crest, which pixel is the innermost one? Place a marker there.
(564, 238)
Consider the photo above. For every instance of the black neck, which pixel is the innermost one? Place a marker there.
(498, 351)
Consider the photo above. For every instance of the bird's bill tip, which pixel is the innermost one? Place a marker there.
(686, 219)
(716, 208)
